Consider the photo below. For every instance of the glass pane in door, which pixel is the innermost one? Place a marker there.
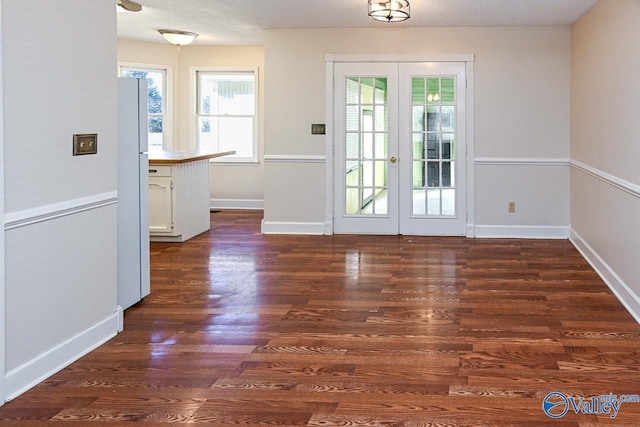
(433, 133)
(366, 150)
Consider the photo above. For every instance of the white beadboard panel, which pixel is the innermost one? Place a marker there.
(250, 204)
(36, 370)
(521, 232)
(59, 209)
(622, 290)
(279, 227)
(60, 280)
(57, 84)
(191, 181)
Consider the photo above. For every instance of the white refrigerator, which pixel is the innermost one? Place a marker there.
(133, 192)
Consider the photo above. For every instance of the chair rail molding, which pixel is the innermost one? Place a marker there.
(619, 183)
(43, 213)
(294, 158)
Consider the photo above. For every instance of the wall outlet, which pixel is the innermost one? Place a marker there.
(512, 207)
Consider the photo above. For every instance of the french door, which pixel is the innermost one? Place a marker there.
(399, 154)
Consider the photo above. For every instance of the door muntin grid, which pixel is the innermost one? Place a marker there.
(433, 106)
(366, 146)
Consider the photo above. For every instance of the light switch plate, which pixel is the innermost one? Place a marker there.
(318, 129)
(85, 143)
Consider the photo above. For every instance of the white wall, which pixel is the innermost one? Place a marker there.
(521, 118)
(605, 145)
(232, 185)
(60, 210)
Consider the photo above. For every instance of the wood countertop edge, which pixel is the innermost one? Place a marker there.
(174, 157)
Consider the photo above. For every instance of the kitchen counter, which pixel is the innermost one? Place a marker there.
(179, 198)
(157, 157)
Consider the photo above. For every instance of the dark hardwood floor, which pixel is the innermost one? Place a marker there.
(248, 329)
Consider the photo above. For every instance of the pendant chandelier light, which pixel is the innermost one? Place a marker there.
(389, 10)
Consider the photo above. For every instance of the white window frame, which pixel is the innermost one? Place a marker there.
(167, 117)
(193, 91)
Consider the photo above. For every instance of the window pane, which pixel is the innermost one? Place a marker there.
(155, 85)
(418, 173)
(352, 118)
(433, 146)
(351, 146)
(433, 119)
(418, 118)
(448, 90)
(227, 134)
(433, 174)
(446, 174)
(448, 119)
(447, 146)
(155, 131)
(156, 101)
(418, 90)
(222, 94)
(433, 202)
(418, 146)
(419, 202)
(381, 91)
(351, 201)
(433, 90)
(352, 90)
(367, 90)
(381, 146)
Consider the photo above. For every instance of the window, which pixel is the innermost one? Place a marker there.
(159, 118)
(226, 112)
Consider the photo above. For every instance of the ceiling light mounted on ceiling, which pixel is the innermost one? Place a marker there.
(180, 38)
(389, 10)
(128, 5)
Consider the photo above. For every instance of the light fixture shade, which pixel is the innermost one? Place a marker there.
(180, 38)
(389, 10)
(128, 6)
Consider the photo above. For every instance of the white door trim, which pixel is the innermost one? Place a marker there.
(3, 392)
(331, 59)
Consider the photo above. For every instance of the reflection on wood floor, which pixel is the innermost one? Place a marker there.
(247, 329)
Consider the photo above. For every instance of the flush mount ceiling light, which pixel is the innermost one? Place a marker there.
(180, 38)
(128, 5)
(389, 10)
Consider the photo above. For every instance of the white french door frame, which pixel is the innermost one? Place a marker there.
(332, 59)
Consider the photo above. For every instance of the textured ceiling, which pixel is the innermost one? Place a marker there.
(242, 22)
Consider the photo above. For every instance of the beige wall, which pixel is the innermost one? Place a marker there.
(521, 111)
(605, 188)
(230, 183)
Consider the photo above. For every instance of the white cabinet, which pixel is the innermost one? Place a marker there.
(161, 208)
(178, 200)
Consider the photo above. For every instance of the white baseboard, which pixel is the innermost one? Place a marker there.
(35, 371)
(521, 231)
(276, 227)
(253, 204)
(621, 290)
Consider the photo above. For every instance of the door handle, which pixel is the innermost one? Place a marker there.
(393, 159)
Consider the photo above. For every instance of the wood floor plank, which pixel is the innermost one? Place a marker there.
(249, 329)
